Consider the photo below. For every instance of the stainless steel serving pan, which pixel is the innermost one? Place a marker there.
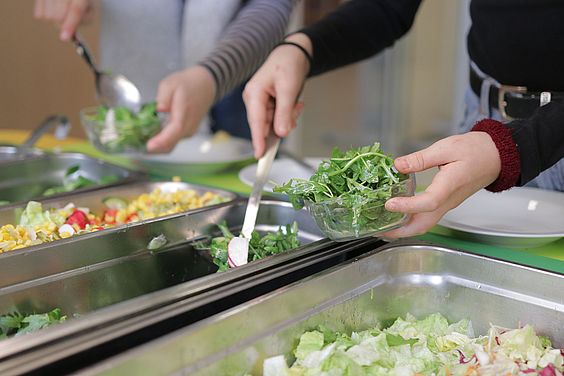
(116, 286)
(378, 287)
(82, 250)
(10, 153)
(27, 179)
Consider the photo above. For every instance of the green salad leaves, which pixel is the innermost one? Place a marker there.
(132, 130)
(74, 180)
(16, 324)
(260, 247)
(347, 192)
(429, 346)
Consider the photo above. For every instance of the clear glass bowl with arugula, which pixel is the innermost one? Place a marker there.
(127, 133)
(347, 193)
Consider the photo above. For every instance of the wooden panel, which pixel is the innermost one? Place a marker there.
(39, 75)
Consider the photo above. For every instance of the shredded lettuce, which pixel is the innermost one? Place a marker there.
(33, 215)
(430, 346)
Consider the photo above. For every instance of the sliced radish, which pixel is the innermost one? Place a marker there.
(237, 252)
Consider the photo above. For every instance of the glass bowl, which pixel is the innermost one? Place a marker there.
(125, 136)
(341, 223)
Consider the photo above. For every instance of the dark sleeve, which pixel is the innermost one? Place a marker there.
(357, 30)
(540, 140)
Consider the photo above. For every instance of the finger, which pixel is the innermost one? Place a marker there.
(283, 113)
(165, 93)
(72, 20)
(298, 107)
(38, 9)
(257, 103)
(444, 184)
(49, 10)
(178, 128)
(435, 155)
(418, 224)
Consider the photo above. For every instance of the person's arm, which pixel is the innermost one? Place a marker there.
(540, 140)
(493, 155)
(189, 94)
(357, 30)
(247, 41)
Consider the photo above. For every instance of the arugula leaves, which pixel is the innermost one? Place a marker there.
(16, 324)
(259, 246)
(350, 189)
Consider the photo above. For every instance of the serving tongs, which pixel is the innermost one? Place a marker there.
(238, 248)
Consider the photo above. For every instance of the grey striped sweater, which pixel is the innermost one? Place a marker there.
(247, 41)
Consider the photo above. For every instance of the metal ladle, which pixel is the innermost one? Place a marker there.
(114, 90)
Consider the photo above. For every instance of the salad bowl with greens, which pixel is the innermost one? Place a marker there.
(347, 193)
(118, 130)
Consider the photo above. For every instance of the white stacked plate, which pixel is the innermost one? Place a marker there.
(517, 218)
(197, 155)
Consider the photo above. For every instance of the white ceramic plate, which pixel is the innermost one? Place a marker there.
(200, 154)
(517, 218)
(283, 169)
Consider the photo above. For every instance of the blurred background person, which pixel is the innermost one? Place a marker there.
(192, 56)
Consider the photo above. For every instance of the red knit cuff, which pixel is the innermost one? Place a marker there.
(508, 153)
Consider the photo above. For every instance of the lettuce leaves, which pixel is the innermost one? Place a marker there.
(429, 346)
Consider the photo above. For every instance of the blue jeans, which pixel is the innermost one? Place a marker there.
(551, 179)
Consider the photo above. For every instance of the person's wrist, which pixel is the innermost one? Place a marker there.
(301, 39)
(508, 154)
(302, 46)
(211, 76)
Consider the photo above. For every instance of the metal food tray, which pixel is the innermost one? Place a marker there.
(113, 274)
(94, 200)
(11, 153)
(27, 179)
(379, 287)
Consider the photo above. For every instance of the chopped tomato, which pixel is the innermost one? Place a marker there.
(110, 216)
(132, 217)
(78, 218)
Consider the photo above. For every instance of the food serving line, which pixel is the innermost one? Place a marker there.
(133, 309)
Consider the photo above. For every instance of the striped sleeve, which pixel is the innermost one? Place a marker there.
(247, 41)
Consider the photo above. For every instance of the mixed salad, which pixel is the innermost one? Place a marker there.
(353, 186)
(284, 239)
(430, 346)
(37, 226)
(131, 131)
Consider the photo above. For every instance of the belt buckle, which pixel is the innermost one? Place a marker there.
(501, 102)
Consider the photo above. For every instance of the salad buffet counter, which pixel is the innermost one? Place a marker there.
(124, 275)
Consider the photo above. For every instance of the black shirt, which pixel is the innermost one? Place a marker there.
(517, 42)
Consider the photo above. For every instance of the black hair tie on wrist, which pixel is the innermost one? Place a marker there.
(307, 55)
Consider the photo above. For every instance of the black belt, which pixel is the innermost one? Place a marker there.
(513, 102)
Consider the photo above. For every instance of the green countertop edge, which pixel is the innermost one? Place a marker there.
(521, 257)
